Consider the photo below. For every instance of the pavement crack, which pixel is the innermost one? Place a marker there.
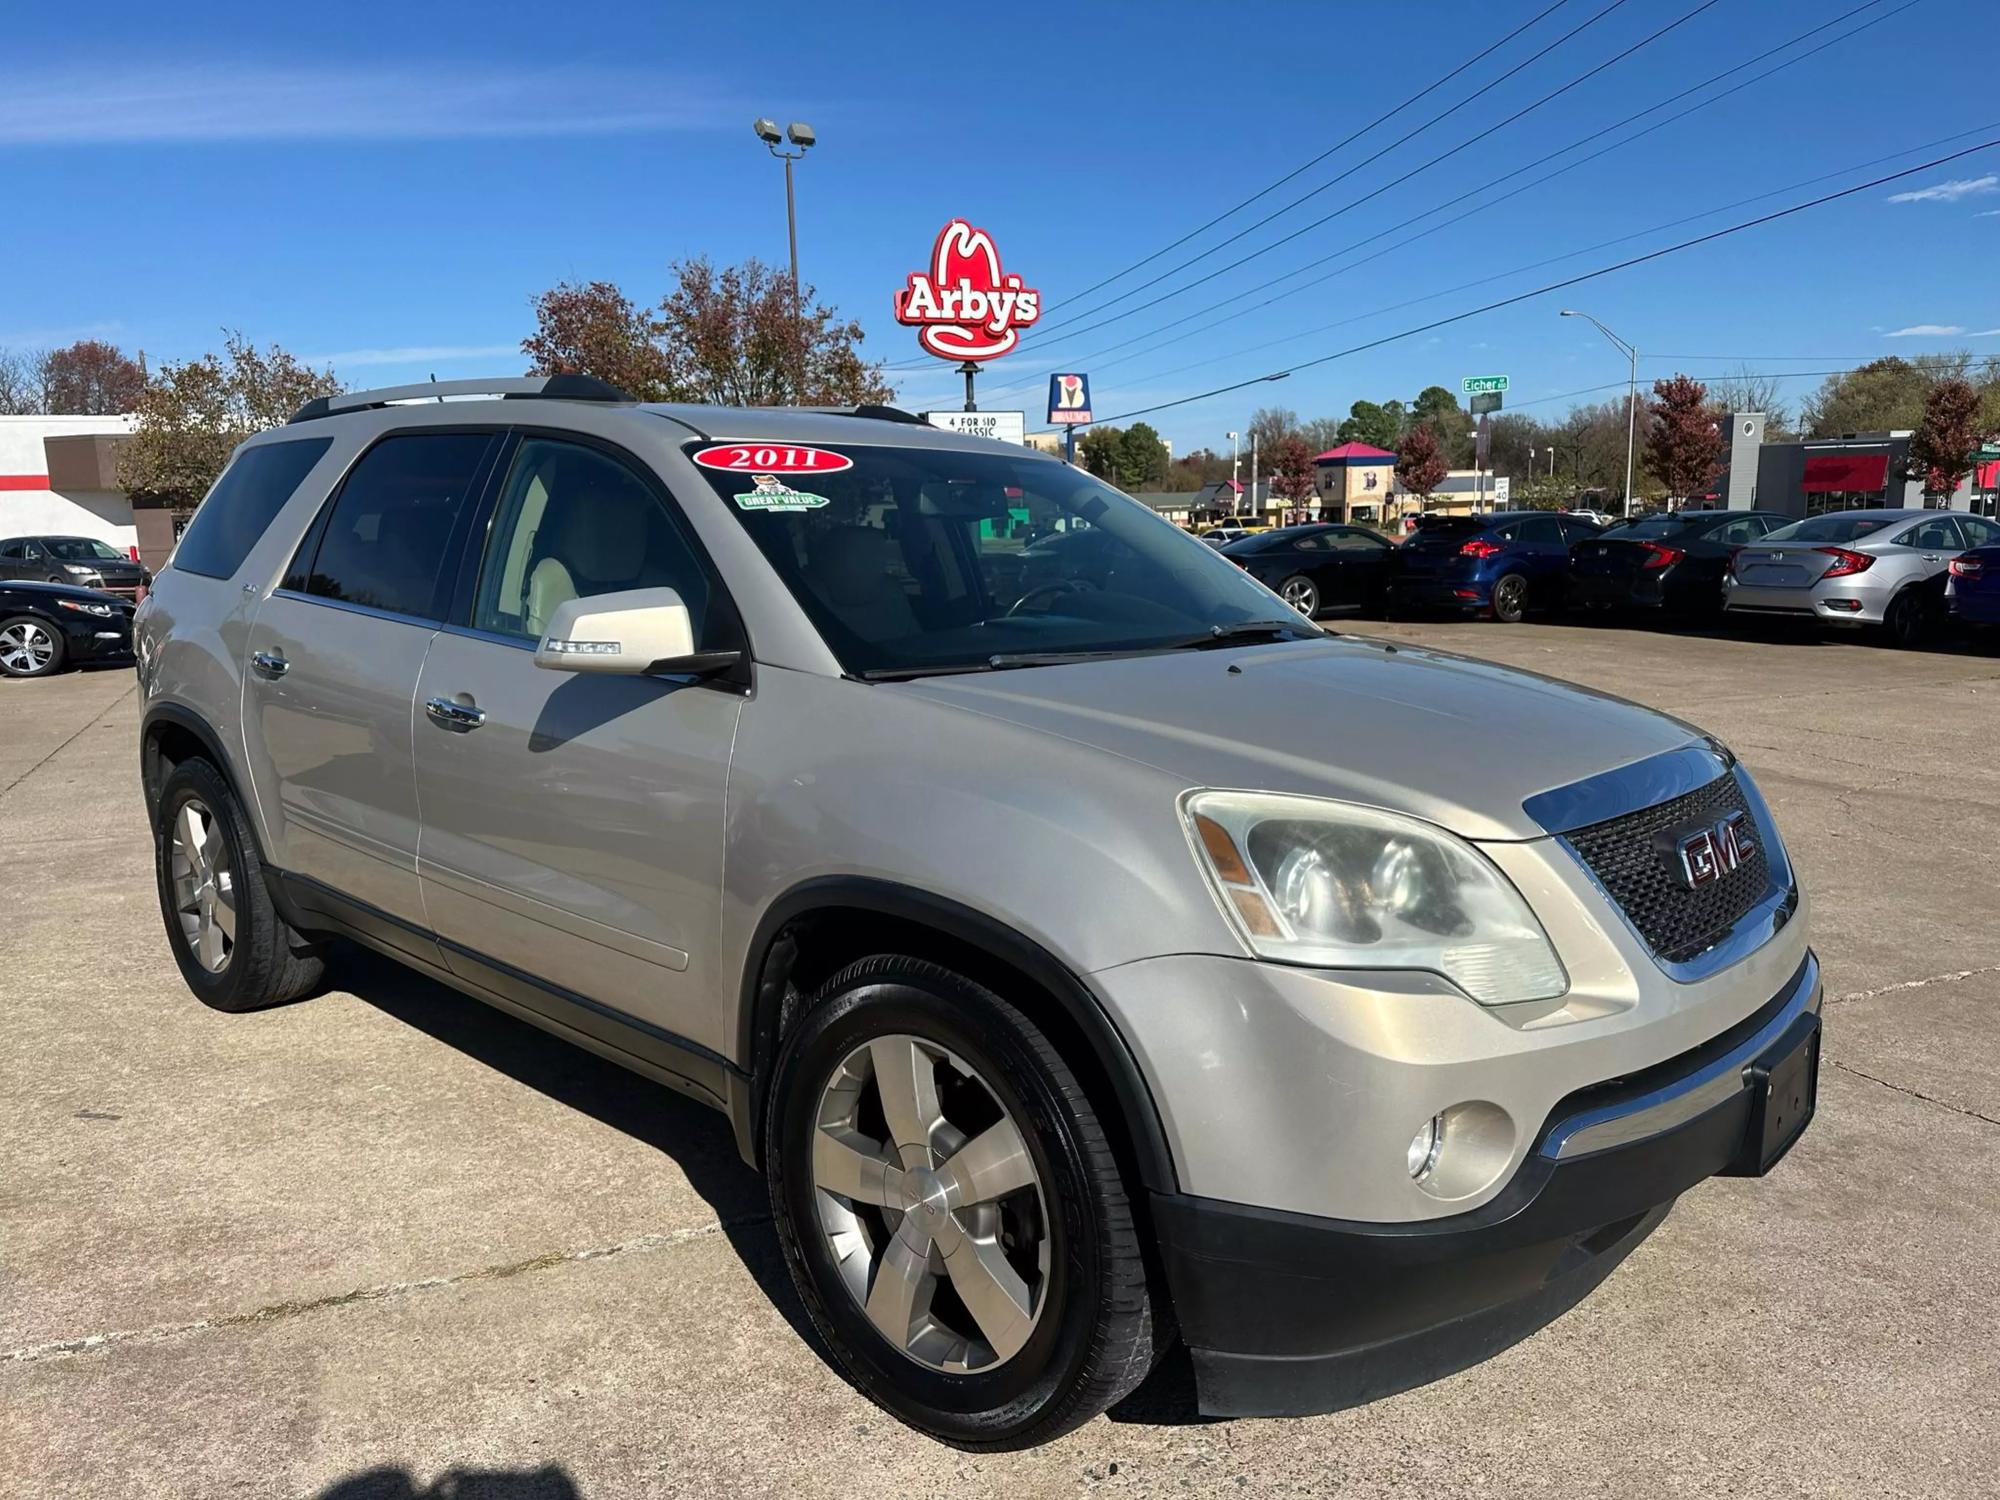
(386, 1291)
(1953, 977)
(1957, 1109)
(95, 720)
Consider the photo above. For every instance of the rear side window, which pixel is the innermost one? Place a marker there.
(1941, 533)
(391, 528)
(1541, 529)
(250, 492)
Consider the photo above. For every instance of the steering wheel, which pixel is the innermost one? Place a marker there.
(1053, 590)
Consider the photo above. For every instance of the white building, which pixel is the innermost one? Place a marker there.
(59, 477)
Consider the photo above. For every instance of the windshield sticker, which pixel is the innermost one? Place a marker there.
(771, 458)
(772, 493)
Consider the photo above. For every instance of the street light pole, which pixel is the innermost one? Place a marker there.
(1235, 484)
(803, 137)
(1631, 395)
(1256, 509)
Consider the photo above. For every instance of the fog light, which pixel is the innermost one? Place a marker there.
(1424, 1148)
(1849, 605)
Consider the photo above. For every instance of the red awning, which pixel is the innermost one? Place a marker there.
(1989, 475)
(1845, 472)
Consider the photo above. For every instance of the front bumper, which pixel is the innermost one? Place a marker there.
(93, 638)
(1288, 1314)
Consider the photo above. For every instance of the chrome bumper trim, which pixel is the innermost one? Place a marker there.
(1685, 1098)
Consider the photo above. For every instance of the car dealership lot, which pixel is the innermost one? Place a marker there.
(390, 1233)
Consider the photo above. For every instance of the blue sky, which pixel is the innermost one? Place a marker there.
(392, 195)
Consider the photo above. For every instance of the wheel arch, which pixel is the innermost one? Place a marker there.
(818, 927)
(169, 734)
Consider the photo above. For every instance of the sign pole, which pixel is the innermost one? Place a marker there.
(1069, 444)
(969, 369)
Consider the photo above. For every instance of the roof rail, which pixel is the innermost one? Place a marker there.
(522, 388)
(873, 411)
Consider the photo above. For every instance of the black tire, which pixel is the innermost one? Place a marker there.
(58, 647)
(268, 963)
(1510, 598)
(1096, 1336)
(1307, 594)
(1909, 619)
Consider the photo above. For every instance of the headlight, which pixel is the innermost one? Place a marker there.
(103, 611)
(77, 568)
(1339, 886)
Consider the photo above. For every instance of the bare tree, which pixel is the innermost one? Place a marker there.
(1748, 390)
(24, 382)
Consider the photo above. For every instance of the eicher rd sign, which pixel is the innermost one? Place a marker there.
(965, 306)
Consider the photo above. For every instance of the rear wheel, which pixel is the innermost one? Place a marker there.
(951, 1209)
(30, 647)
(1510, 599)
(234, 950)
(1301, 593)
(1908, 619)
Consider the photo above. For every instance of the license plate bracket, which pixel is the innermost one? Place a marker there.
(1784, 1091)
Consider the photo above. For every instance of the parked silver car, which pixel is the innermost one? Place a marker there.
(1855, 568)
(1090, 957)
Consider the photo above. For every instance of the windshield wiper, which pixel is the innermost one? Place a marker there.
(1246, 630)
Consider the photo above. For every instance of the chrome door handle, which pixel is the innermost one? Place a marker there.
(458, 717)
(269, 664)
(1933, 557)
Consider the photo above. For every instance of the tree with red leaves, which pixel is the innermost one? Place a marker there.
(1420, 464)
(1292, 472)
(595, 329)
(1946, 443)
(93, 379)
(1683, 439)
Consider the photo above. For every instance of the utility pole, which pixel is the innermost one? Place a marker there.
(1631, 396)
(1235, 484)
(1255, 508)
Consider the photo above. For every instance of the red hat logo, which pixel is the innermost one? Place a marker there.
(965, 307)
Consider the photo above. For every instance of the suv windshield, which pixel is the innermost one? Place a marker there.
(917, 560)
(1833, 528)
(81, 549)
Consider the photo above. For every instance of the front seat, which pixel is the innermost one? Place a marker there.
(851, 572)
(594, 544)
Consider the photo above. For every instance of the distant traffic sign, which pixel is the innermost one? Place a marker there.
(1474, 384)
(1485, 402)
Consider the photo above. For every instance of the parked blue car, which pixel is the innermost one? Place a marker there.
(1973, 588)
(1505, 563)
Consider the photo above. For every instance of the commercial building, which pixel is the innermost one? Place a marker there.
(1810, 476)
(59, 477)
(1354, 481)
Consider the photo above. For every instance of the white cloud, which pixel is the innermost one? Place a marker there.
(1949, 192)
(145, 102)
(416, 354)
(1924, 331)
(1984, 333)
(1988, 213)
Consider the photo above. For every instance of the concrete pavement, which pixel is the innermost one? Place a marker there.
(389, 1243)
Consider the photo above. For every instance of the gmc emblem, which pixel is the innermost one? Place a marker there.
(1711, 853)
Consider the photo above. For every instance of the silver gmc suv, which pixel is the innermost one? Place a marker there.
(1091, 953)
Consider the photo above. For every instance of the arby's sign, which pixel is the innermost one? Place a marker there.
(964, 306)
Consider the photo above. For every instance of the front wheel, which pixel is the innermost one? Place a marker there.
(951, 1209)
(1301, 593)
(1510, 599)
(30, 647)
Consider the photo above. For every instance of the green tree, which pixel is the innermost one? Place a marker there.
(1881, 396)
(1101, 449)
(191, 415)
(1142, 458)
(1379, 426)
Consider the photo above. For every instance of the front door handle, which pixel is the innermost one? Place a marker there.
(460, 718)
(269, 664)
(1933, 557)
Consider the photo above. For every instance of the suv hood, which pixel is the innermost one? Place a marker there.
(1457, 742)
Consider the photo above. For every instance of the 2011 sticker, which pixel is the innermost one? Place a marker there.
(771, 458)
(769, 492)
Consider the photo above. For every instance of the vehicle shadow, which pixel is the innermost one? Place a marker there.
(549, 1482)
(697, 1139)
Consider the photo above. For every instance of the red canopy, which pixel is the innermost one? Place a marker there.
(1989, 475)
(1835, 472)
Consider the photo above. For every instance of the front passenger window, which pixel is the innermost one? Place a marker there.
(573, 522)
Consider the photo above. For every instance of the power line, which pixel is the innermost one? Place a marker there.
(1478, 281)
(1570, 281)
(1354, 203)
(1454, 202)
(1339, 146)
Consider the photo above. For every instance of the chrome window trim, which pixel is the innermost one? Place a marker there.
(494, 637)
(422, 622)
(1676, 1103)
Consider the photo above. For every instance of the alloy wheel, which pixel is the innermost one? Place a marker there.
(1509, 596)
(204, 886)
(26, 647)
(930, 1205)
(1301, 595)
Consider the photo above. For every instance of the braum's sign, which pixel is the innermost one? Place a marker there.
(965, 306)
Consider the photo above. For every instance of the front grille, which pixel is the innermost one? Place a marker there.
(1633, 859)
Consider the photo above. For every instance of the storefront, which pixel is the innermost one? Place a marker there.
(1844, 481)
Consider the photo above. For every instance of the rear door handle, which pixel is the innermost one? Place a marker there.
(460, 718)
(1933, 557)
(269, 664)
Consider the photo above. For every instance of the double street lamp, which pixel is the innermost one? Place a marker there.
(801, 136)
(1631, 395)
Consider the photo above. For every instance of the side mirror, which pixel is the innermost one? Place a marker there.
(634, 633)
